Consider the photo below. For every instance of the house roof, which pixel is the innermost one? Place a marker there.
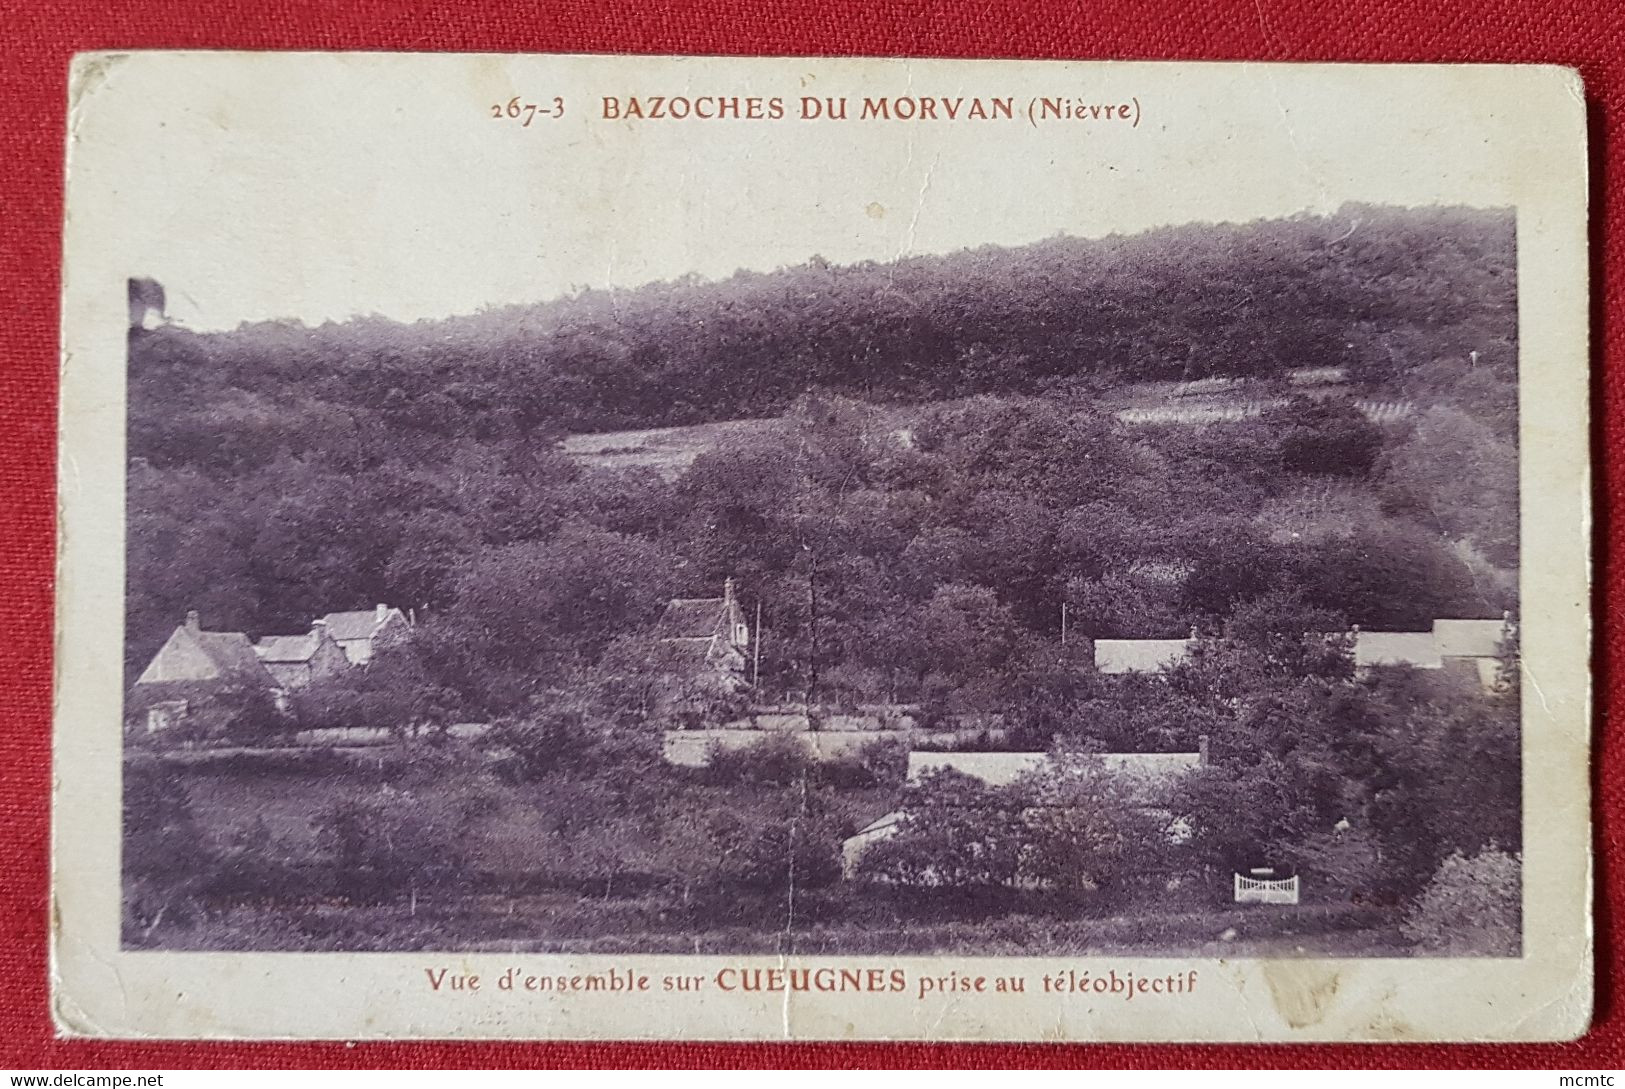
(1407, 648)
(690, 618)
(1469, 638)
(360, 624)
(1140, 655)
(993, 768)
(232, 654)
(286, 649)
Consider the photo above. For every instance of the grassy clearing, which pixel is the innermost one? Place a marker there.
(667, 450)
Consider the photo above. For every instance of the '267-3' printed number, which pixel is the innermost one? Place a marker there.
(526, 112)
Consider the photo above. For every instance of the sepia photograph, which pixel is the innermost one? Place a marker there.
(1153, 593)
(1000, 560)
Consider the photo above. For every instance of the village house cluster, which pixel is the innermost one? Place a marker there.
(708, 643)
(1466, 650)
(704, 651)
(194, 662)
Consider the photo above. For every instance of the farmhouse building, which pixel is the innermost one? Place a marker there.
(192, 655)
(363, 633)
(194, 665)
(1147, 778)
(296, 660)
(704, 641)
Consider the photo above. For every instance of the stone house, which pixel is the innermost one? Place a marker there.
(704, 643)
(194, 665)
(362, 633)
(296, 660)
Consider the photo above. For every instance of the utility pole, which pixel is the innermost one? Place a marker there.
(1063, 623)
(756, 649)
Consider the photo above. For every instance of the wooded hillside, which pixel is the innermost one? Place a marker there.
(279, 472)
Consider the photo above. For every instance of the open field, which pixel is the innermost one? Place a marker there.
(666, 450)
(523, 884)
(671, 450)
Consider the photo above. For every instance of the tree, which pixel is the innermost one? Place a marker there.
(1244, 814)
(795, 844)
(395, 691)
(1118, 606)
(1070, 454)
(1235, 570)
(1393, 576)
(1298, 639)
(432, 544)
(1447, 778)
(1087, 830)
(388, 842)
(1456, 472)
(963, 631)
(526, 610)
(1326, 437)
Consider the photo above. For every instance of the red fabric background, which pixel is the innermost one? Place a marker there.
(38, 44)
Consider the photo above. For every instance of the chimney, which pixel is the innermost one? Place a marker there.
(192, 623)
(728, 590)
(1194, 634)
(380, 612)
(1201, 750)
(318, 628)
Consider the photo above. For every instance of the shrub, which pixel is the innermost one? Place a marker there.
(796, 845)
(779, 759)
(1325, 437)
(166, 857)
(1472, 907)
(389, 842)
(955, 831)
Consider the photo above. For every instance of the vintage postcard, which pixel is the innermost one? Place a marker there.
(693, 548)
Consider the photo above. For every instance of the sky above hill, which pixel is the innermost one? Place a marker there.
(321, 188)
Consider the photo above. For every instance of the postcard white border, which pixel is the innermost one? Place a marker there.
(1535, 119)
